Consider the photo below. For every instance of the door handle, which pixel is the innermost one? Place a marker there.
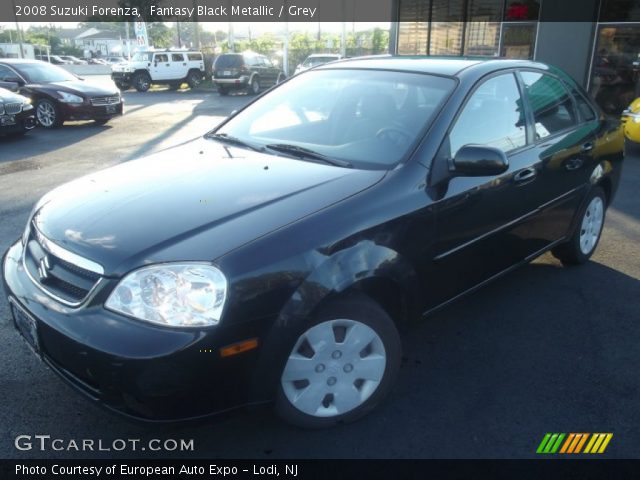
(587, 147)
(524, 175)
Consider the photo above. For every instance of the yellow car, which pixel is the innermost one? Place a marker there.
(631, 121)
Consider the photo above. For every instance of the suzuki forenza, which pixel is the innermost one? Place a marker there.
(274, 258)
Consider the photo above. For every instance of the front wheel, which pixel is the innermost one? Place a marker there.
(47, 114)
(585, 239)
(341, 366)
(141, 81)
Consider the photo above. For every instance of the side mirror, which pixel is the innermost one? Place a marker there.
(16, 80)
(479, 161)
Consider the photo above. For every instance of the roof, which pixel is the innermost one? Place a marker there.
(449, 66)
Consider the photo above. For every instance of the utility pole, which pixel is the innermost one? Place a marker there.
(18, 29)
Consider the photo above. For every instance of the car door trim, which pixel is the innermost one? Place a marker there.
(506, 225)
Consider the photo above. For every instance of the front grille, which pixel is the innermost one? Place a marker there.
(102, 101)
(57, 277)
(12, 108)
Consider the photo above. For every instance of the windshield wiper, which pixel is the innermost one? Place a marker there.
(231, 140)
(302, 152)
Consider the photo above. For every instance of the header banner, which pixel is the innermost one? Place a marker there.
(198, 10)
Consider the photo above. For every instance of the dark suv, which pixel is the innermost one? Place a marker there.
(248, 70)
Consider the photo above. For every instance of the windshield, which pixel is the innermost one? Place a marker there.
(368, 118)
(44, 73)
(313, 61)
(141, 57)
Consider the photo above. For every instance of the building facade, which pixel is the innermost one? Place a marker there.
(595, 41)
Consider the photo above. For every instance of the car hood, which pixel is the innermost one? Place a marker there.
(197, 201)
(82, 87)
(7, 96)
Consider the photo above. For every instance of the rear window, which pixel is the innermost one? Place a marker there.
(194, 56)
(229, 61)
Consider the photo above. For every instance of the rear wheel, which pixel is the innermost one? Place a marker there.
(194, 79)
(587, 235)
(254, 86)
(341, 366)
(141, 81)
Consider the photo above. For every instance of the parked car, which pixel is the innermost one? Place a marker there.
(16, 113)
(73, 60)
(97, 61)
(274, 258)
(245, 71)
(631, 121)
(166, 67)
(54, 59)
(59, 95)
(317, 59)
(113, 60)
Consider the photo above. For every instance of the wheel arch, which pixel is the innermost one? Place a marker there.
(368, 269)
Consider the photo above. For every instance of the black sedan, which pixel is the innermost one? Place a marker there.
(16, 113)
(59, 95)
(275, 258)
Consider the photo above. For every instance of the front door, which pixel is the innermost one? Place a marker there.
(484, 225)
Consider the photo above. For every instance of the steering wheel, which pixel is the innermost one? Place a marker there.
(394, 134)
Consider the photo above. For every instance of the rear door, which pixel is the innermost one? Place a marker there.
(178, 66)
(485, 225)
(565, 139)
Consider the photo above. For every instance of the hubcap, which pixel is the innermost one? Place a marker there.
(46, 114)
(333, 368)
(591, 225)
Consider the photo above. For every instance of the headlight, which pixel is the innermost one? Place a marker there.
(177, 295)
(69, 97)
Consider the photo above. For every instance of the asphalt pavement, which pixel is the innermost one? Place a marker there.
(545, 349)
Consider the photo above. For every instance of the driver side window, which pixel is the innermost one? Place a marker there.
(492, 116)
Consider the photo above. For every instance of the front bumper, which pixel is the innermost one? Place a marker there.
(138, 369)
(23, 121)
(86, 111)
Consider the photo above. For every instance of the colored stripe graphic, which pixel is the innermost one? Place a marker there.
(574, 443)
(598, 443)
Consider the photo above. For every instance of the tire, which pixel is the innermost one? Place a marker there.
(341, 332)
(254, 86)
(141, 81)
(586, 236)
(224, 91)
(122, 86)
(48, 114)
(194, 79)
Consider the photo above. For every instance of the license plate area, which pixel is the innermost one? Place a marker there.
(111, 108)
(26, 325)
(226, 73)
(6, 120)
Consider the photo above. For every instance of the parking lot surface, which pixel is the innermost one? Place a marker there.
(544, 349)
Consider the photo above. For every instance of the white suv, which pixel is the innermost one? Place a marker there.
(166, 67)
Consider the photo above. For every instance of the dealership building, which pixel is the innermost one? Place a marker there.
(596, 41)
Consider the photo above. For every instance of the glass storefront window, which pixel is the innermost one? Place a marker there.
(615, 76)
(620, 11)
(518, 41)
(413, 28)
(482, 39)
